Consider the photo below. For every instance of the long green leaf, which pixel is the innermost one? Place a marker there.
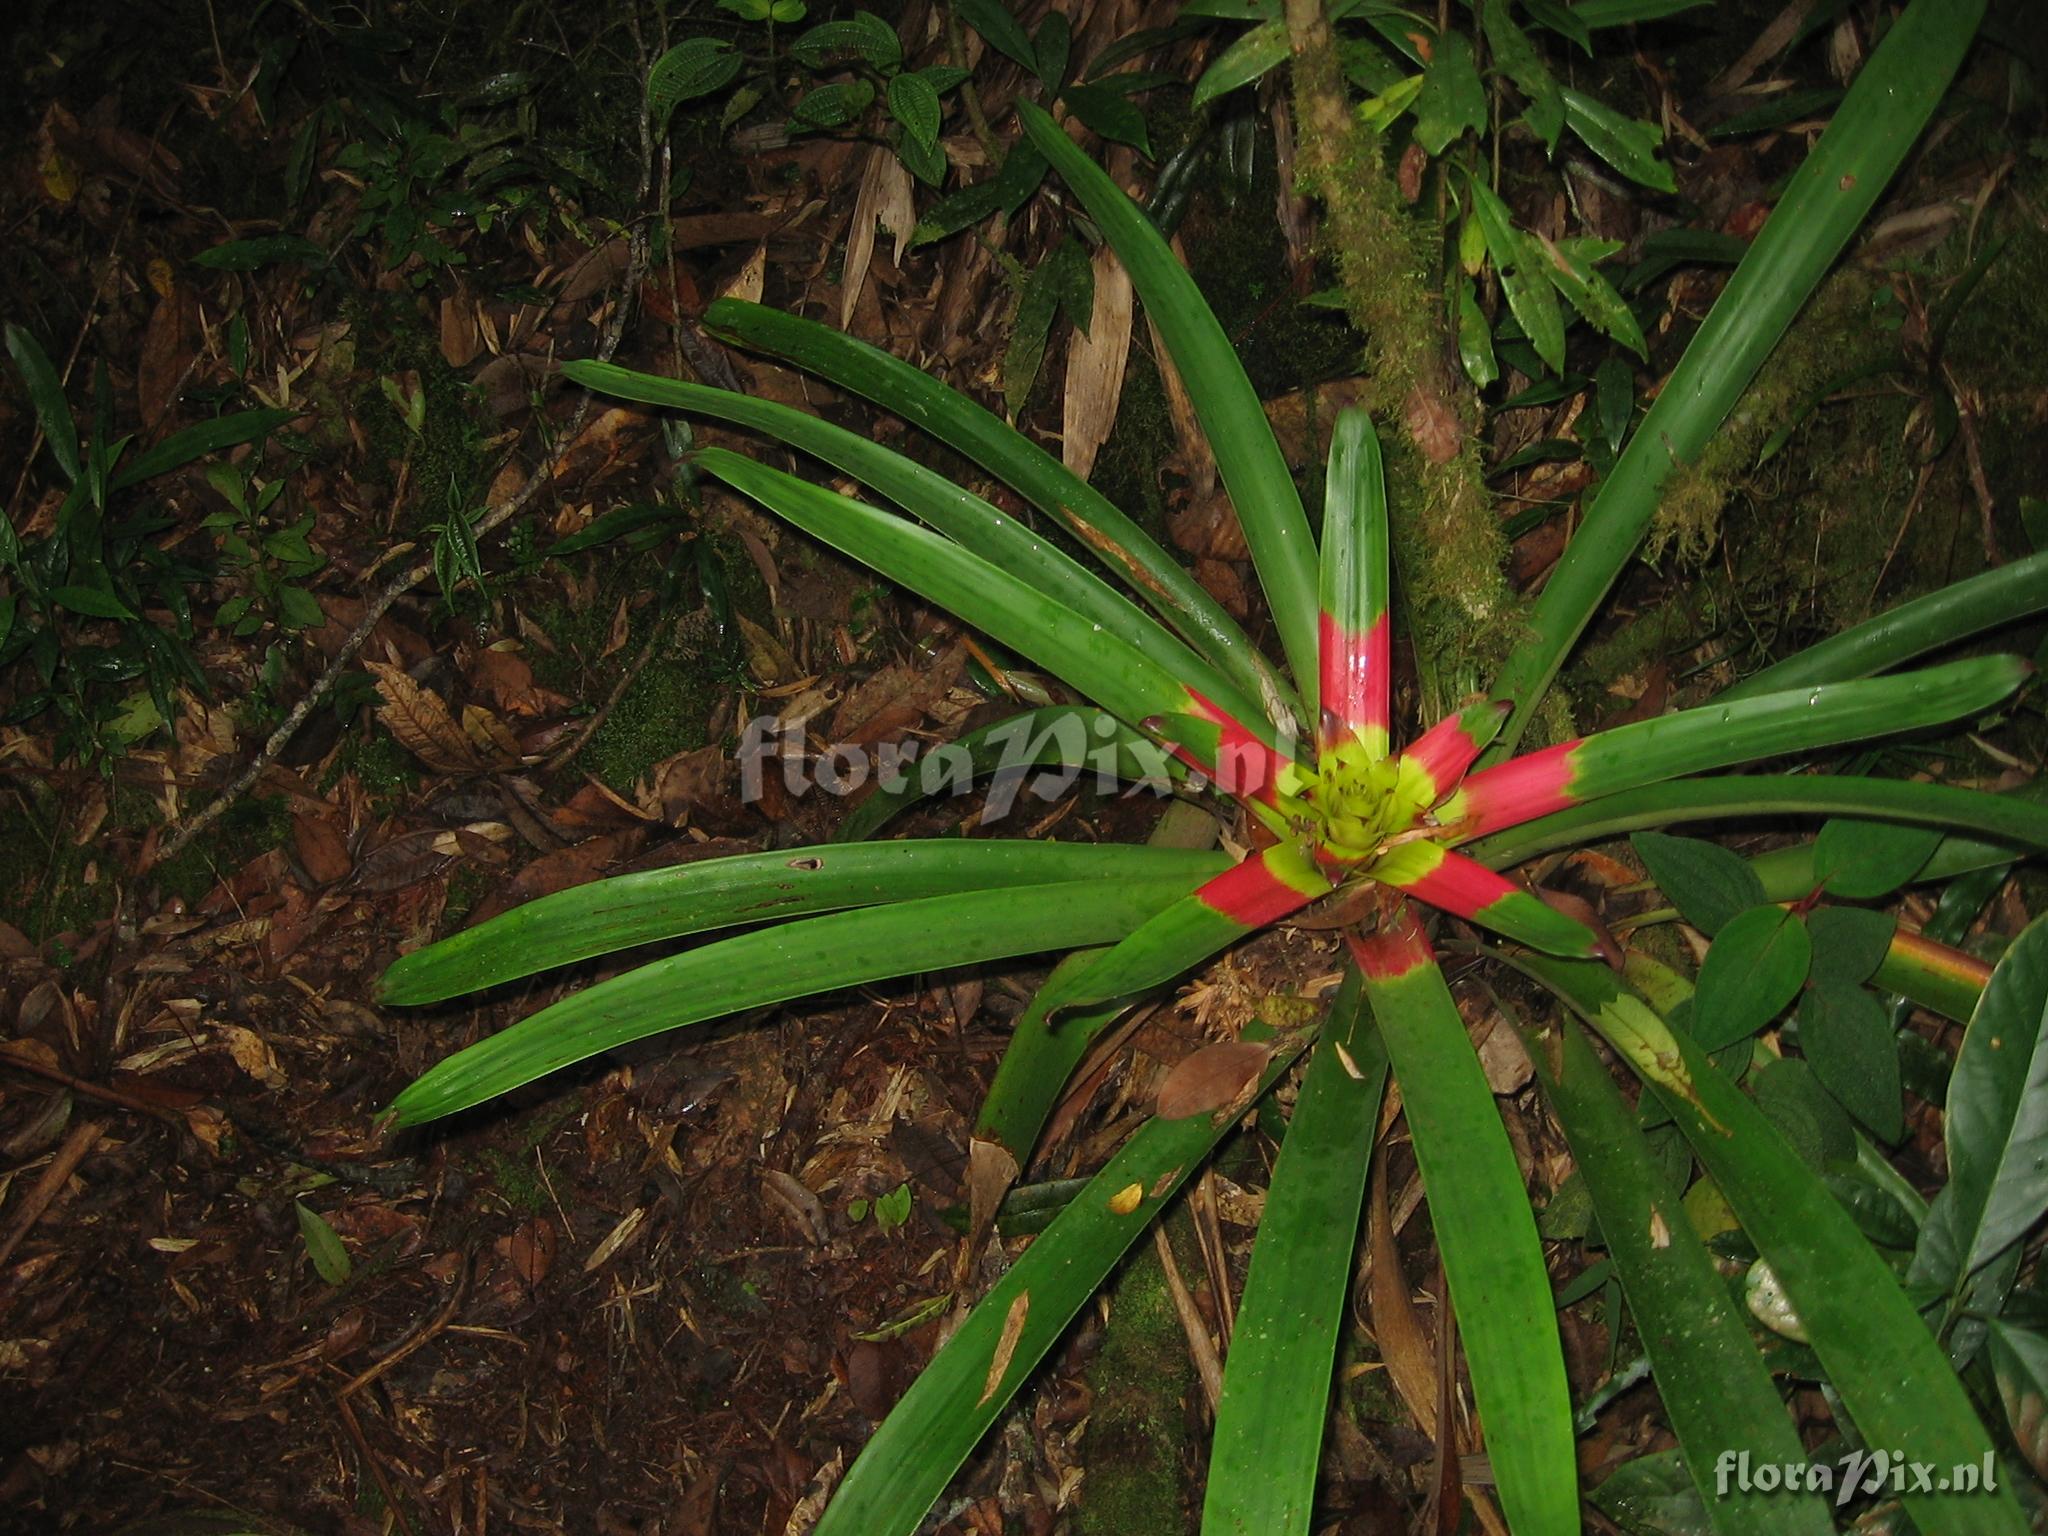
(2003, 818)
(1484, 1230)
(1955, 612)
(608, 915)
(1893, 1377)
(789, 960)
(959, 514)
(198, 441)
(46, 394)
(1826, 201)
(1247, 454)
(1159, 579)
(1270, 1421)
(1719, 735)
(1008, 609)
(1995, 1124)
(929, 1433)
(1711, 1379)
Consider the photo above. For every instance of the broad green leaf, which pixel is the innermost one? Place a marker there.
(914, 104)
(1620, 13)
(93, 602)
(605, 916)
(1270, 1421)
(1826, 201)
(995, 22)
(1517, 56)
(1487, 1236)
(834, 105)
(323, 1245)
(46, 394)
(1756, 965)
(1254, 471)
(1053, 47)
(1847, 1039)
(783, 962)
(1710, 1378)
(1708, 884)
(259, 251)
(695, 67)
(863, 34)
(2019, 1364)
(1531, 297)
(1626, 143)
(197, 441)
(1105, 110)
(1572, 272)
(1251, 57)
(1475, 334)
(1849, 943)
(904, 1468)
(1996, 1120)
(1453, 97)
(1893, 1378)
(1652, 1495)
(1615, 395)
(1862, 860)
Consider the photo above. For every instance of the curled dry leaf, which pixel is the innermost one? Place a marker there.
(884, 199)
(1210, 1079)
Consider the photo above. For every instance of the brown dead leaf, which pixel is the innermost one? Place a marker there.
(1432, 424)
(495, 745)
(419, 721)
(895, 699)
(1405, 1348)
(802, 1207)
(1210, 1078)
(321, 847)
(700, 787)
(1207, 526)
(461, 339)
(884, 199)
(1193, 453)
(746, 283)
(1095, 367)
(169, 343)
(1006, 1345)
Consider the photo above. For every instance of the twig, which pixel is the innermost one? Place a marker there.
(382, 603)
(82, 1140)
(85, 1086)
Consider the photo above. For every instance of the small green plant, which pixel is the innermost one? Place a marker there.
(1333, 811)
(96, 608)
(268, 556)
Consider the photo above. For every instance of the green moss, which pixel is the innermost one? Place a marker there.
(1138, 1447)
(1447, 538)
(516, 1178)
(1127, 467)
(248, 827)
(385, 770)
(446, 460)
(695, 663)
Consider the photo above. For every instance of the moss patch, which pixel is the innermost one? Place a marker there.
(247, 828)
(1138, 1445)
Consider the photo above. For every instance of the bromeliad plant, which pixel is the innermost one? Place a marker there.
(1333, 811)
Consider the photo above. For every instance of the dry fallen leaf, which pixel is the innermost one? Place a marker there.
(1210, 1078)
(884, 199)
(1095, 367)
(1006, 1346)
(420, 722)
